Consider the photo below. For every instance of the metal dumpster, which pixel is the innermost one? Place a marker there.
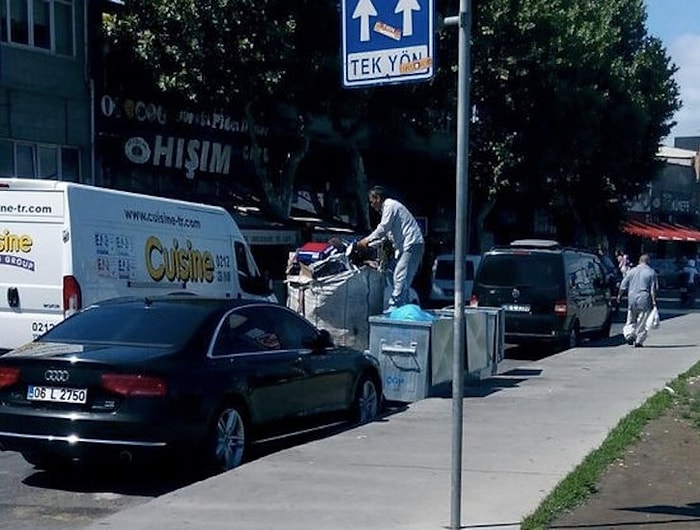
(484, 343)
(402, 349)
(415, 357)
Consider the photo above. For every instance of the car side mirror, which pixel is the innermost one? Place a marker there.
(325, 339)
(322, 341)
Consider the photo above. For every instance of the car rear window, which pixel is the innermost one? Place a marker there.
(163, 326)
(522, 270)
(445, 270)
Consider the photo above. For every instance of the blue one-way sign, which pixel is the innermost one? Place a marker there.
(387, 41)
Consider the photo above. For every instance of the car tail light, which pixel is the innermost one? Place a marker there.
(72, 296)
(474, 301)
(134, 385)
(9, 375)
(560, 308)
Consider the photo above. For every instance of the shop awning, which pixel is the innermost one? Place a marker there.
(259, 229)
(661, 231)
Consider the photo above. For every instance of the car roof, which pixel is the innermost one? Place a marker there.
(537, 245)
(180, 299)
(451, 257)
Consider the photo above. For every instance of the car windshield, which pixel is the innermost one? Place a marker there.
(164, 325)
(522, 270)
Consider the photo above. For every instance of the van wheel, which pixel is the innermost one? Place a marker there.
(605, 331)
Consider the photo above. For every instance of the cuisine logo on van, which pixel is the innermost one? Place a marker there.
(12, 246)
(184, 264)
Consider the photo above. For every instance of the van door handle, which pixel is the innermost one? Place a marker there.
(13, 297)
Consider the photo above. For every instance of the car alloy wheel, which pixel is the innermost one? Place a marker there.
(229, 439)
(367, 401)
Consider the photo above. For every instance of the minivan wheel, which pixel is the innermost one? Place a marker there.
(573, 337)
(605, 332)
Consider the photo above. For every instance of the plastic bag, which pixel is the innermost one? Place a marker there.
(410, 312)
(653, 320)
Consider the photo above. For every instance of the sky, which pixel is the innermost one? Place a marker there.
(677, 24)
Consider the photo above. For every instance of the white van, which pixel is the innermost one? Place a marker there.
(64, 246)
(442, 278)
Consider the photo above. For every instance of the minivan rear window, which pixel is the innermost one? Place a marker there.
(522, 270)
(445, 270)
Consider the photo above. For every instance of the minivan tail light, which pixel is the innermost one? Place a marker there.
(72, 296)
(474, 301)
(134, 385)
(560, 308)
(9, 375)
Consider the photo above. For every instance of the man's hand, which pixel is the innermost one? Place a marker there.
(362, 243)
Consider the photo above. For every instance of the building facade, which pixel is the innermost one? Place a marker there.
(45, 91)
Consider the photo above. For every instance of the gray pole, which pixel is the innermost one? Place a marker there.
(461, 221)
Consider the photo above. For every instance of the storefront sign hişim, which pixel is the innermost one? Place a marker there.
(180, 153)
(189, 154)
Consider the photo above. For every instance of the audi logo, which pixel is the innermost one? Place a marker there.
(56, 376)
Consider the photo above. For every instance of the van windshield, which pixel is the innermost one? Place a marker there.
(522, 270)
(445, 270)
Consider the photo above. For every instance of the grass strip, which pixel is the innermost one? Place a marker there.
(582, 482)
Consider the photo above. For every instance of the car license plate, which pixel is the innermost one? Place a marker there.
(518, 308)
(57, 394)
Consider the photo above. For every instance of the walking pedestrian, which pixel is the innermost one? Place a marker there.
(642, 284)
(688, 282)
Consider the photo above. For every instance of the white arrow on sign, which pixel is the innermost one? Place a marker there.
(407, 7)
(363, 10)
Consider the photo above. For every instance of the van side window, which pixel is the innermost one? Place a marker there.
(241, 259)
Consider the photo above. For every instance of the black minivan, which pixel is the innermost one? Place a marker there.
(550, 293)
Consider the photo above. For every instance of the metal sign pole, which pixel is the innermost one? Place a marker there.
(463, 20)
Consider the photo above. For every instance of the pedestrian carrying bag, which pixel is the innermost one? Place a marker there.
(653, 320)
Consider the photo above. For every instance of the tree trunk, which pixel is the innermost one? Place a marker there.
(358, 187)
(485, 209)
(277, 183)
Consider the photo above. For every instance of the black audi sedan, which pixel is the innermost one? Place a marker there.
(133, 378)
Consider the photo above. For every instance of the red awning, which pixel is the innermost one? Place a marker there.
(661, 231)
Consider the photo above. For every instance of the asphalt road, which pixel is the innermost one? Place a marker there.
(32, 499)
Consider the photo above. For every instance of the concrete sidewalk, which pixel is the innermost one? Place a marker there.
(524, 431)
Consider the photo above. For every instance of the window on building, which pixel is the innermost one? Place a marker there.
(63, 22)
(6, 158)
(39, 161)
(19, 21)
(42, 32)
(45, 24)
(24, 159)
(48, 162)
(4, 21)
(70, 164)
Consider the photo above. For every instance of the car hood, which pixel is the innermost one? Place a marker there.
(124, 353)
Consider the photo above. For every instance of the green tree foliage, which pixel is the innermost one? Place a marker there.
(570, 98)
